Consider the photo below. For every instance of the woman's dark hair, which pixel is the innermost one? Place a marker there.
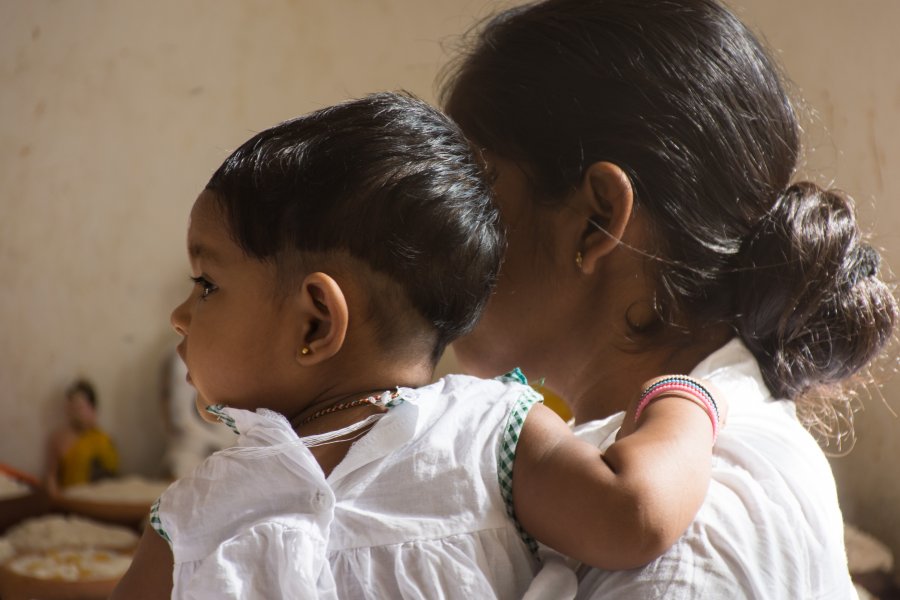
(684, 98)
(85, 388)
(388, 180)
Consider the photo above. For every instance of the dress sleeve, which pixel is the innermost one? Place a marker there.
(524, 398)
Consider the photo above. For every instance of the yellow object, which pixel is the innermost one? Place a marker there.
(92, 455)
(554, 402)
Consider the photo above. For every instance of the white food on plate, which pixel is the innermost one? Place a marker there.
(11, 487)
(126, 490)
(72, 565)
(55, 532)
(7, 550)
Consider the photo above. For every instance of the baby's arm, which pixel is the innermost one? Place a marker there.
(150, 575)
(622, 508)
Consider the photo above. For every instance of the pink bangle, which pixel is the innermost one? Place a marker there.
(685, 385)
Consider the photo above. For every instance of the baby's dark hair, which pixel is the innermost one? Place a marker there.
(85, 388)
(685, 99)
(386, 179)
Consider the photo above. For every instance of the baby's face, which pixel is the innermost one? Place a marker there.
(238, 343)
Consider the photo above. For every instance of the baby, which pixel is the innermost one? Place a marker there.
(334, 258)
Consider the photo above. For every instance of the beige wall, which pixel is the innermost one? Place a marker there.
(842, 57)
(113, 114)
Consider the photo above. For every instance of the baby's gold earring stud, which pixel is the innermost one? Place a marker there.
(305, 351)
(578, 259)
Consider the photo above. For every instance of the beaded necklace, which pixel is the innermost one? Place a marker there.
(370, 400)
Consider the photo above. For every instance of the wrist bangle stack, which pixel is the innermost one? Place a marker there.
(681, 386)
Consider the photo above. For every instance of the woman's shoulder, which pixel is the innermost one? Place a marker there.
(763, 438)
(770, 526)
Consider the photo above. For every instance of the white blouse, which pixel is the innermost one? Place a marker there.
(770, 526)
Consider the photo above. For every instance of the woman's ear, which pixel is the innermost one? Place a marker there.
(323, 319)
(607, 193)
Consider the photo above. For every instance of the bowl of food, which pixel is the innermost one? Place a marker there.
(58, 557)
(21, 496)
(124, 500)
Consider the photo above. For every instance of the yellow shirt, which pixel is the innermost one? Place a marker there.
(554, 402)
(91, 456)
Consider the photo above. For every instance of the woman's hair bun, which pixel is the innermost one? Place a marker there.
(811, 305)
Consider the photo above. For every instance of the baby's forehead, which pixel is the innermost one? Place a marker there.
(206, 213)
(208, 237)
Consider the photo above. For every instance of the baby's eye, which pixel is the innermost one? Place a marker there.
(206, 286)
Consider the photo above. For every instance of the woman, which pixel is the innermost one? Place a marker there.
(644, 152)
(79, 452)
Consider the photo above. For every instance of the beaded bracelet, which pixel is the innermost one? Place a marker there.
(683, 387)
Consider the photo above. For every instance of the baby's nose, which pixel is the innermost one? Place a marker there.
(180, 318)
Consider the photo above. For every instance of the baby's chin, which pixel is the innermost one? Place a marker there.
(201, 404)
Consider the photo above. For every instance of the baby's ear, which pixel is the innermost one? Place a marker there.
(323, 319)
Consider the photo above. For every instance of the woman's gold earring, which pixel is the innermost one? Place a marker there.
(305, 350)
(578, 259)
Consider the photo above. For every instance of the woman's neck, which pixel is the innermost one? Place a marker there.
(613, 376)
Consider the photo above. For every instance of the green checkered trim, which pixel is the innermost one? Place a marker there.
(156, 524)
(216, 409)
(514, 376)
(397, 397)
(508, 443)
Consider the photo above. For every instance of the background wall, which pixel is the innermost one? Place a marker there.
(842, 58)
(114, 113)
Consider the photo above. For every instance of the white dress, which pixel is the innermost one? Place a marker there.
(419, 507)
(770, 527)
